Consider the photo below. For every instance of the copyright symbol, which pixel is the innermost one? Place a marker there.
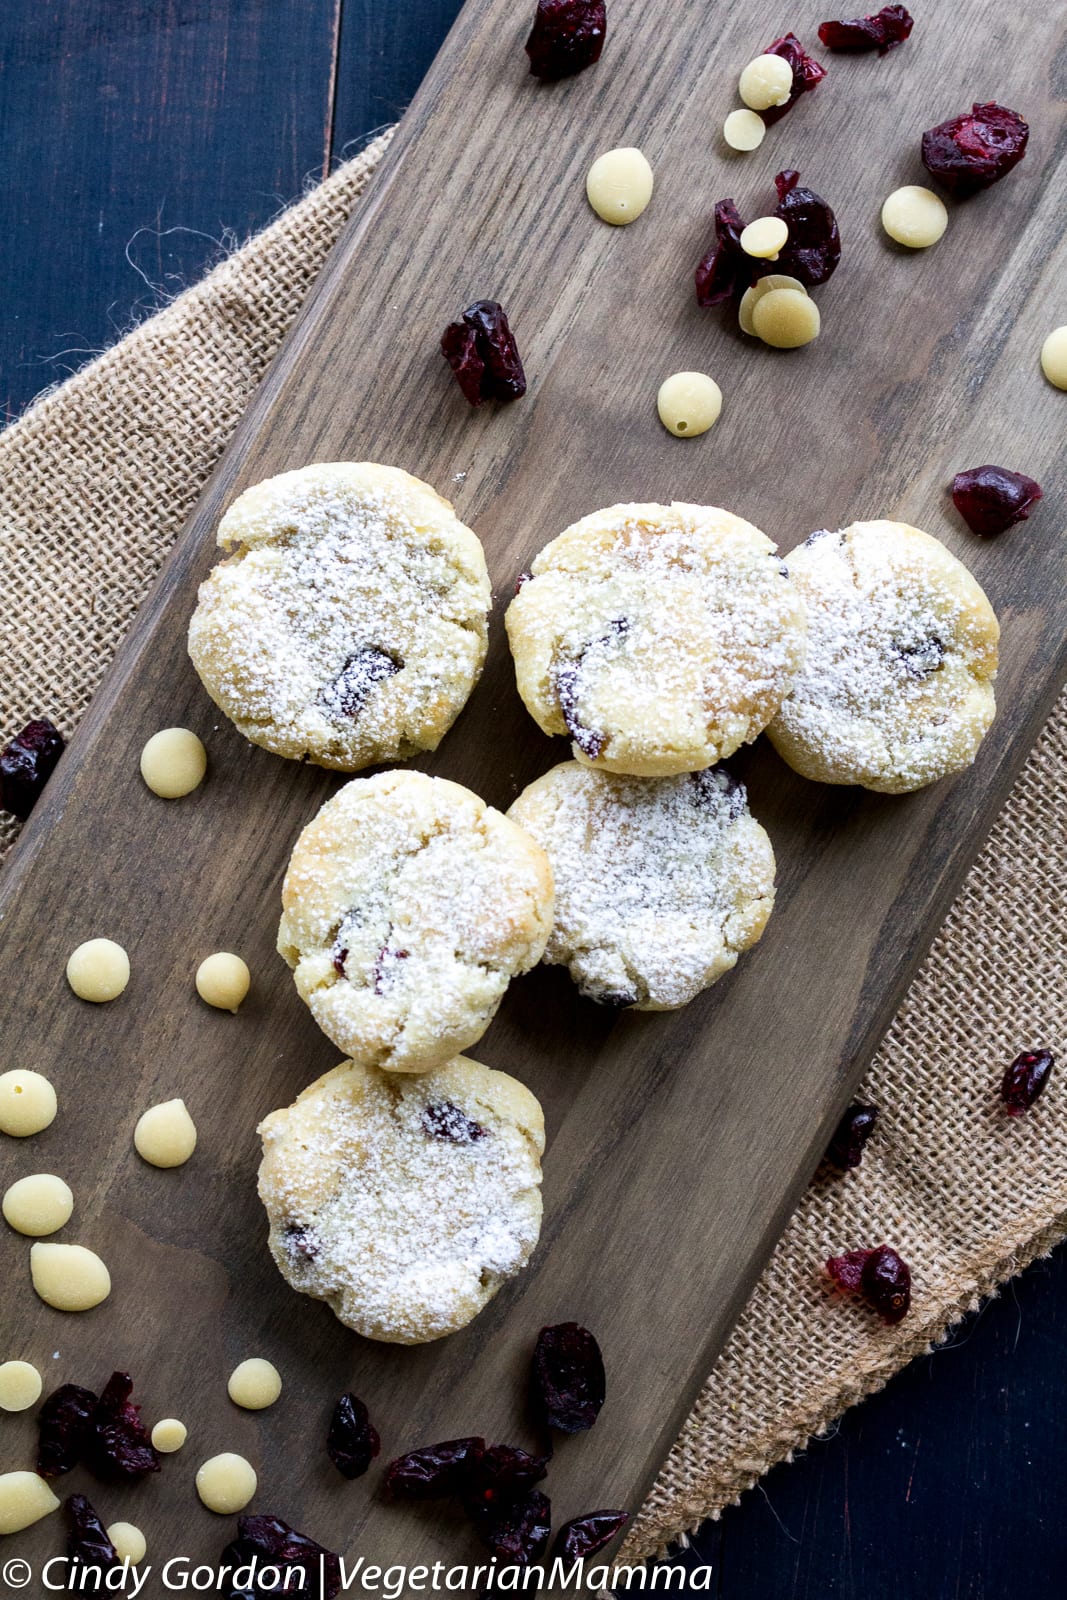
(16, 1573)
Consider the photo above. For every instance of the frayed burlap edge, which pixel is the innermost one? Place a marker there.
(969, 1196)
(708, 1497)
(96, 481)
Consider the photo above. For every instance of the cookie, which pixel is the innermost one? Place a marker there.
(660, 882)
(349, 625)
(897, 690)
(408, 905)
(659, 637)
(404, 1202)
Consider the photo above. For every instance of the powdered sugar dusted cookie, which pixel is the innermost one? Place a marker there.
(408, 906)
(660, 882)
(349, 625)
(404, 1202)
(659, 637)
(897, 690)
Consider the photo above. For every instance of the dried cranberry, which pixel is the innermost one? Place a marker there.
(26, 764)
(523, 578)
(567, 36)
(568, 683)
(807, 72)
(718, 783)
(436, 1469)
(482, 352)
(300, 1240)
(118, 1445)
(617, 998)
(515, 1532)
(584, 1536)
(975, 149)
(726, 271)
(588, 740)
(443, 1120)
(568, 1377)
(87, 1543)
(339, 953)
(1025, 1079)
(497, 348)
(263, 1542)
(880, 1276)
(811, 253)
(348, 693)
(63, 1424)
(500, 1473)
(813, 249)
(459, 346)
(922, 657)
(384, 971)
(991, 499)
(882, 32)
(352, 1442)
(715, 784)
(851, 1135)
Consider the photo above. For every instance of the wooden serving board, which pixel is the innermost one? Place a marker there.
(678, 1143)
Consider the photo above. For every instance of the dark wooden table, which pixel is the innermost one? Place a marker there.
(141, 138)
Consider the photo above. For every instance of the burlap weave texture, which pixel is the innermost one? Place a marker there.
(95, 484)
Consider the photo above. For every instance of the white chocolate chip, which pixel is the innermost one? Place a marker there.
(619, 185)
(767, 81)
(1054, 357)
(98, 970)
(27, 1103)
(68, 1276)
(764, 238)
(20, 1386)
(130, 1543)
(165, 1135)
(173, 763)
(914, 216)
(773, 280)
(24, 1499)
(226, 1483)
(169, 1435)
(786, 319)
(255, 1384)
(744, 130)
(223, 980)
(688, 403)
(38, 1205)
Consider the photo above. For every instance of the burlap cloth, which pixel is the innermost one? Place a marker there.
(95, 483)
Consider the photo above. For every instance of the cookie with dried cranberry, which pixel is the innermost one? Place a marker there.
(660, 638)
(660, 882)
(348, 626)
(404, 1202)
(897, 689)
(407, 907)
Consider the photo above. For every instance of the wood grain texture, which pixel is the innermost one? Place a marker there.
(382, 57)
(678, 1144)
(143, 139)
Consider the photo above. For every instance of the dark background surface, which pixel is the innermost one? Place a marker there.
(141, 139)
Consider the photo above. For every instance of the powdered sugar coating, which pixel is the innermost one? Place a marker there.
(408, 905)
(660, 882)
(349, 626)
(897, 690)
(660, 637)
(407, 1234)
